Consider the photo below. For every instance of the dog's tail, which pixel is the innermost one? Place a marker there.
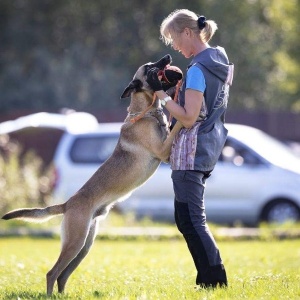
(35, 214)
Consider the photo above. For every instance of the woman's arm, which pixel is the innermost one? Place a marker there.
(188, 114)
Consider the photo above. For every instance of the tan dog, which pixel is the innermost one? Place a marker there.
(141, 147)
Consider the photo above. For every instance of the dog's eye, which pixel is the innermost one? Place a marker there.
(137, 84)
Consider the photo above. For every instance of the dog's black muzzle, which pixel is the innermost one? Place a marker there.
(160, 64)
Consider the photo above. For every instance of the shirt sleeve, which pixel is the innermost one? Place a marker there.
(195, 79)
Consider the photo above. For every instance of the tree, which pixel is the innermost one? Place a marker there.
(81, 54)
(284, 18)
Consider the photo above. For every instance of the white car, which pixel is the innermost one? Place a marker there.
(72, 121)
(256, 179)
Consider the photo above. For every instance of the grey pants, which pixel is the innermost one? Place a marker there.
(190, 218)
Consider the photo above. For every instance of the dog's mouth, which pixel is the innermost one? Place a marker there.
(166, 73)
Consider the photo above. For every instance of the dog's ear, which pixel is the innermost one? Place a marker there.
(134, 86)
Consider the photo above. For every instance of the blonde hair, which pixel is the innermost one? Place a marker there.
(178, 20)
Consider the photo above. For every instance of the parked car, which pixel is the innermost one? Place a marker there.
(41, 132)
(257, 178)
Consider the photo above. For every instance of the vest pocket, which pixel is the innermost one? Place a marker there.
(209, 147)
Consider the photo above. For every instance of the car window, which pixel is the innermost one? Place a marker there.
(93, 149)
(237, 154)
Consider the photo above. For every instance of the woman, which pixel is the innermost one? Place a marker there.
(201, 108)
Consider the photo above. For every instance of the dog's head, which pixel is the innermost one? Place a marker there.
(139, 83)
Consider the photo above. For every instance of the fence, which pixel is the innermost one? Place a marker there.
(282, 125)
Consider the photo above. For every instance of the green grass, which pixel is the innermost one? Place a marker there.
(151, 270)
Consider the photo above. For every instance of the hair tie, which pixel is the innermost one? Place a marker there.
(201, 22)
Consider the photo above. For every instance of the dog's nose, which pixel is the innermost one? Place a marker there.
(167, 58)
(164, 61)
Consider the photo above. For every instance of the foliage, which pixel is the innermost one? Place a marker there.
(23, 182)
(82, 54)
(284, 17)
(151, 270)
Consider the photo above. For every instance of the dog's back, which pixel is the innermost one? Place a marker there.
(131, 164)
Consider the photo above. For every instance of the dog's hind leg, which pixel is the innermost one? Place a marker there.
(75, 229)
(64, 276)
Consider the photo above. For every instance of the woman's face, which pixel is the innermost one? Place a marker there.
(182, 43)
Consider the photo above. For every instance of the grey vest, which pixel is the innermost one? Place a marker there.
(211, 134)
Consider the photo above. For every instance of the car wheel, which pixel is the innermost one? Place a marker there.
(281, 211)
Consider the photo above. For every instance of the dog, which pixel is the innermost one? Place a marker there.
(144, 142)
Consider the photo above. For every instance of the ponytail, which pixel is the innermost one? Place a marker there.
(208, 31)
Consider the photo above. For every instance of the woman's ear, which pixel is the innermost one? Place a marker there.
(187, 31)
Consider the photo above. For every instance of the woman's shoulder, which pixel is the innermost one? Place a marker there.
(195, 69)
(210, 54)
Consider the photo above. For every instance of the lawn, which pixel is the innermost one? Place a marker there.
(146, 269)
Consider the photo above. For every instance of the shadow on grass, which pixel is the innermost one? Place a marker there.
(35, 295)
